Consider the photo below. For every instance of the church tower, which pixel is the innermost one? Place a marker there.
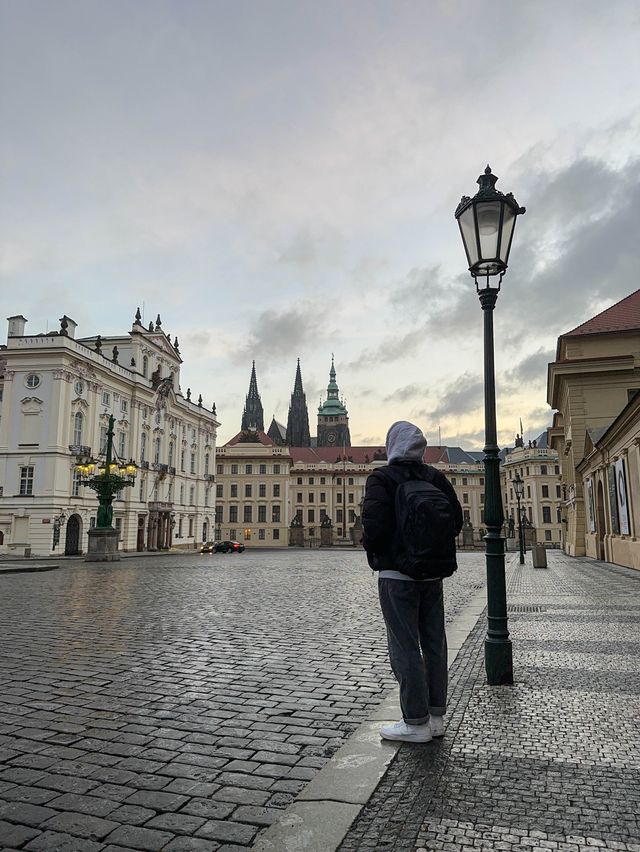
(253, 416)
(333, 418)
(298, 421)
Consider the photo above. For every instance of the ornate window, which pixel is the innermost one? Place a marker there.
(33, 380)
(206, 464)
(26, 480)
(78, 388)
(75, 484)
(78, 422)
(145, 365)
(171, 448)
(156, 450)
(122, 444)
(192, 467)
(143, 447)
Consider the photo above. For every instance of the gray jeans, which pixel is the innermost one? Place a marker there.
(414, 615)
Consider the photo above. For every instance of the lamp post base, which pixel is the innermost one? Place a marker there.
(498, 661)
(103, 545)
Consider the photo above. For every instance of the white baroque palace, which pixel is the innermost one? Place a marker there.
(57, 393)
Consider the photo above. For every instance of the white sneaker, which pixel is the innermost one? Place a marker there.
(406, 733)
(436, 723)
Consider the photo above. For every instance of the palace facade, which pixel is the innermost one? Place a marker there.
(594, 385)
(57, 392)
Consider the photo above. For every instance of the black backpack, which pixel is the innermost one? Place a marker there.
(424, 544)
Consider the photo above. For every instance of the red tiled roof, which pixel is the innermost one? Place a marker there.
(435, 454)
(332, 455)
(263, 439)
(623, 316)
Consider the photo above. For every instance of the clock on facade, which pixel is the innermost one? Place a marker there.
(331, 437)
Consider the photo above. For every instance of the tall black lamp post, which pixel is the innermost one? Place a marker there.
(518, 487)
(486, 224)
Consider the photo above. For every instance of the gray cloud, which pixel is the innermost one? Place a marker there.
(407, 392)
(462, 396)
(313, 246)
(417, 292)
(533, 368)
(279, 334)
(392, 349)
(576, 248)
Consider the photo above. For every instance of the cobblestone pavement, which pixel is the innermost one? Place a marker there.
(551, 763)
(178, 703)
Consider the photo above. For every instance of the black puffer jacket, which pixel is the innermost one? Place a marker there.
(378, 510)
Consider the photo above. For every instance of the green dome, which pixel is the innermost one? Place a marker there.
(332, 406)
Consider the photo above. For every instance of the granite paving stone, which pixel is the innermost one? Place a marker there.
(226, 830)
(83, 825)
(137, 681)
(139, 838)
(550, 763)
(58, 841)
(209, 809)
(16, 835)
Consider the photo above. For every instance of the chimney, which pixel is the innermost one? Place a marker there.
(16, 326)
(68, 326)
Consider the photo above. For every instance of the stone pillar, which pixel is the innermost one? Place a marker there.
(103, 545)
(296, 536)
(326, 536)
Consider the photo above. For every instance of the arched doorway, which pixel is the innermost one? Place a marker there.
(600, 522)
(72, 538)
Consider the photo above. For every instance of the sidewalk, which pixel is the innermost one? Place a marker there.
(550, 763)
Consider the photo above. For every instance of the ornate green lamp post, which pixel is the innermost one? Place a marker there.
(487, 222)
(106, 479)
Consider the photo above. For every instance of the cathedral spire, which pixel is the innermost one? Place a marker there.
(298, 434)
(253, 415)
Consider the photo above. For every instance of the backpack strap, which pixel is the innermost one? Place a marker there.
(399, 473)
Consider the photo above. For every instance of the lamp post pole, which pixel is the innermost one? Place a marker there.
(487, 222)
(498, 652)
(518, 486)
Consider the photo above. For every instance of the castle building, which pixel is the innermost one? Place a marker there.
(594, 385)
(263, 487)
(539, 468)
(333, 418)
(57, 394)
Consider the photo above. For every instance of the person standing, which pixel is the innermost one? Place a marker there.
(411, 516)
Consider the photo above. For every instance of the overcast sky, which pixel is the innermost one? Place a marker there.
(278, 180)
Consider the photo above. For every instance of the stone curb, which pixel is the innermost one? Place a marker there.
(319, 819)
(28, 569)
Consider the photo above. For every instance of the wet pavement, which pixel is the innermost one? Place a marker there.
(552, 763)
(182, 702)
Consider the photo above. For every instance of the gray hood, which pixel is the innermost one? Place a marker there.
(405, 442)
